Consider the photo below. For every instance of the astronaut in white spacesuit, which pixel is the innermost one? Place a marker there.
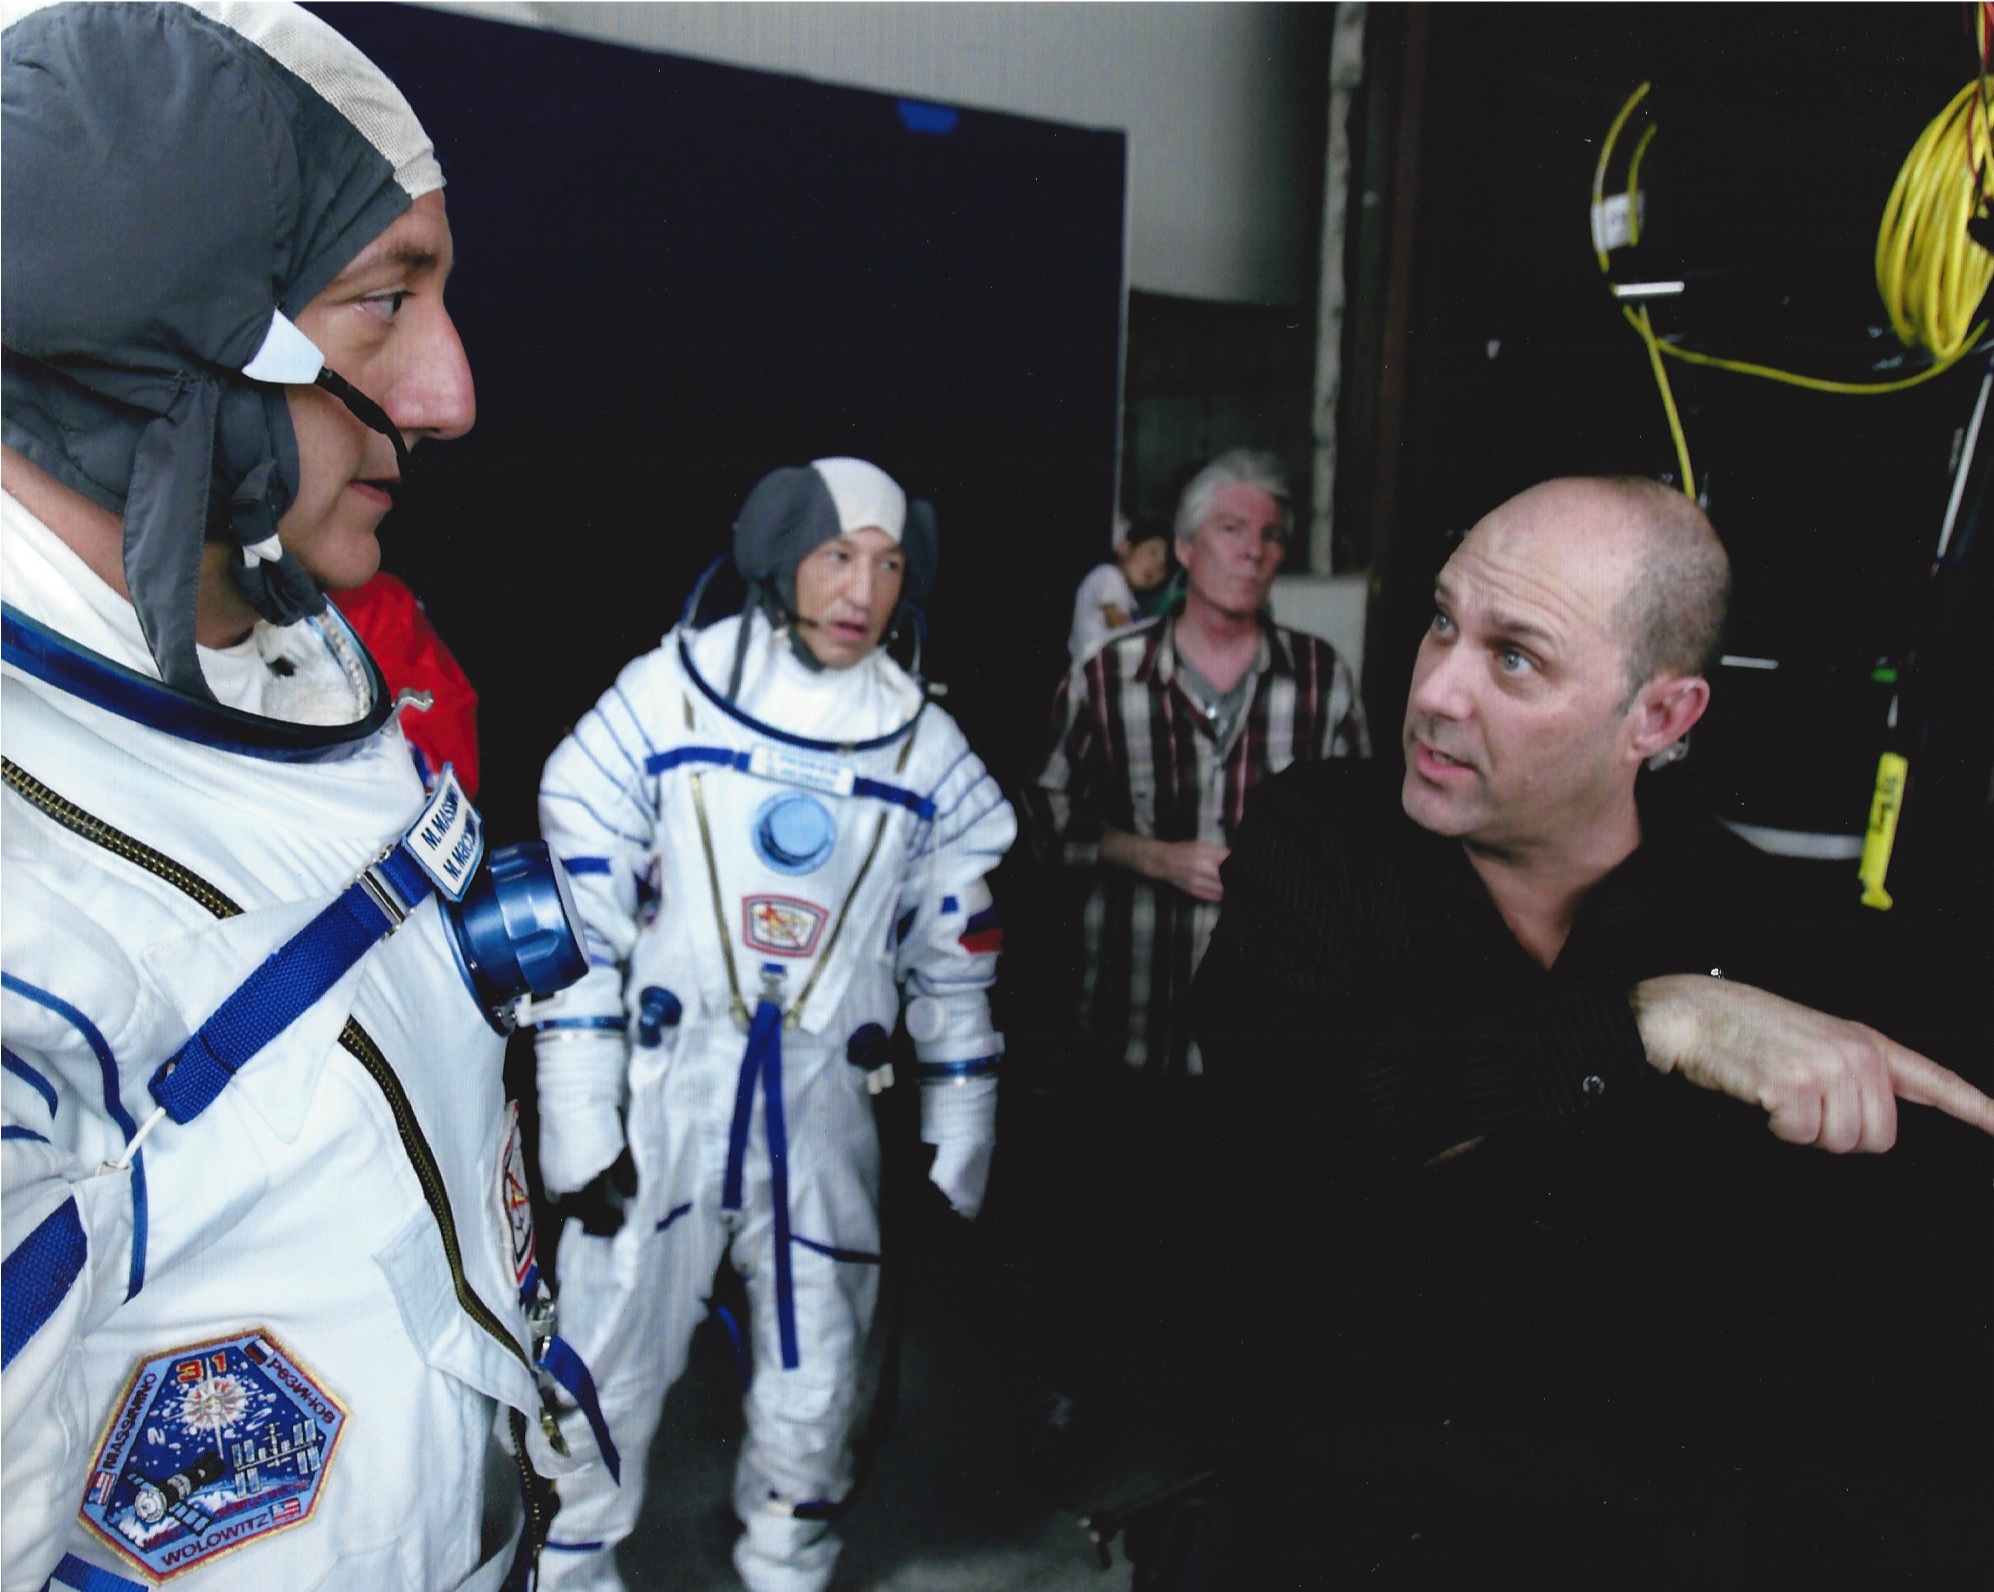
(771, 833)
(269, 1260)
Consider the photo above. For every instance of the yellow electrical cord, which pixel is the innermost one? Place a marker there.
(1599, 170)
(1634, 183)
(1851, 389)
(1638, 320)
(1930, 272)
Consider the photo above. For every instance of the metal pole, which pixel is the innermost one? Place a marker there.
(1346, 74)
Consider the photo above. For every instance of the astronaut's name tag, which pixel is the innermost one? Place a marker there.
(211, 1447)
(448, 838)
(798, 768)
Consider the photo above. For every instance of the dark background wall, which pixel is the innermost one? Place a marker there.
(672, 277)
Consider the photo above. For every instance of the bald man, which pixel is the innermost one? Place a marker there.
(1581, 1317)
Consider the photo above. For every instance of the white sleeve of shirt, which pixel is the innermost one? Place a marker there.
(1104, 584)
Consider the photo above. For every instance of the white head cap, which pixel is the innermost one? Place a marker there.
(864, 495)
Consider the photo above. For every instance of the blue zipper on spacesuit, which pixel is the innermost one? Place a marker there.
(761, 1064)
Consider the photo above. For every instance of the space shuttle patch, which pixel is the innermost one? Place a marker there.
(211, 1447)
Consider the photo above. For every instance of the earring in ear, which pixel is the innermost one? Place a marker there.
(1674, 752)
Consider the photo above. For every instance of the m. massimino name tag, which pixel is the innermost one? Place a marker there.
(448, 837)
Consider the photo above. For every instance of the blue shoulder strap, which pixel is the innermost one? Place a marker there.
(38, 1274)
(440, 852)
(86, 1577)
(560, 1361)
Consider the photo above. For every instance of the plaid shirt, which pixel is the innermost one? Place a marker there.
(1135, 752)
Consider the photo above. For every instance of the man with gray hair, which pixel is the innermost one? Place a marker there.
(1161, 733)
(1485, 1039)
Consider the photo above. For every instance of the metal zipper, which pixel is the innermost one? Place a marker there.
(838, 928)
(354, 1039)
(794, 1014)
(536, 1490)
(739, 1001)
(359, 1044)
(116, 841)
(719, 909)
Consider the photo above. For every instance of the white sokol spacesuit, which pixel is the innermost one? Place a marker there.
(268, 1251)
(762, 871)
(327, 1263)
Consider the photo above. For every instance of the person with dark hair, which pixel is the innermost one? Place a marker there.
(269, 1261)
(1111, 596)
(775, 837)
(1566, 1309)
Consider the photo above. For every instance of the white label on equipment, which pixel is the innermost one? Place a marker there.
(448, 839)
(1613, 222)
(786, 767)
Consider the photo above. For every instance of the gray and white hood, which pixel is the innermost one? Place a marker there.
(180, 181)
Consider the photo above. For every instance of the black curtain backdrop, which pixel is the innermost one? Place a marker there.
(673, 276)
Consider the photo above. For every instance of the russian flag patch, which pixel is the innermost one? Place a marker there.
(983, 935)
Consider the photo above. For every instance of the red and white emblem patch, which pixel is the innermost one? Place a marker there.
(516, 1206)
(782, 925)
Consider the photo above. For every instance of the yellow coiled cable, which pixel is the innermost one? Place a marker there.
(1930, 272)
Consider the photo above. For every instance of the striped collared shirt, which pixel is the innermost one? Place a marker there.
(1136, 751)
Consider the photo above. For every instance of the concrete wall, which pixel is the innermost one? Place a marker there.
(1221, 103)
(1330, 606)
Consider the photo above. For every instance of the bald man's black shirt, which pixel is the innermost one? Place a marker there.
(1359, 959)
(1627, 1315)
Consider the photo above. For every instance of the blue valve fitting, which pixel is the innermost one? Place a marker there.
(657, 1010)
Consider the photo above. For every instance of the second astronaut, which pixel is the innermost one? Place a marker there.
(773, 836)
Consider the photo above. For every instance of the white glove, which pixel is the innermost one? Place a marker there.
(580, 1083)
(959, 1117)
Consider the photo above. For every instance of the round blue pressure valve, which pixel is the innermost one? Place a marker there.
(518, 929)
(794, 833)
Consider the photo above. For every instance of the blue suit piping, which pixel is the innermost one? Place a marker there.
(28, 1075)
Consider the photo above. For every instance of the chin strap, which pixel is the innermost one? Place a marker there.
(757, 599)
(276, 585)
(365, 410)
(801, 648)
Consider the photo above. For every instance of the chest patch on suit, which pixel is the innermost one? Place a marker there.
(515, 1206)
(793, 833)
(212, 1446)
(650, 890)
(782, 925)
